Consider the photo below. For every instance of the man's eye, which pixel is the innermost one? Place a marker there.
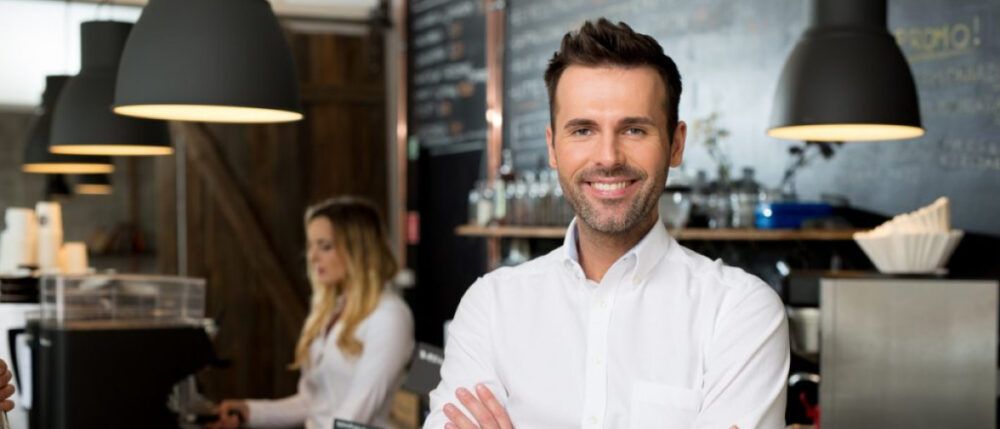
(635, 131)
(582, 132)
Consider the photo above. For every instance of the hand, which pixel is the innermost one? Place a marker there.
(6, 389)
(486, 409)
(232, 415)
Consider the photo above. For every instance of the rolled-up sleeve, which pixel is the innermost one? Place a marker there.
(746, 368)
(469, 358)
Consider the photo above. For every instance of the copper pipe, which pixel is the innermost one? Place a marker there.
(400, 11)
(495, 17)
(495, 22)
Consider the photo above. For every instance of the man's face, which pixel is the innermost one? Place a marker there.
(610, 144)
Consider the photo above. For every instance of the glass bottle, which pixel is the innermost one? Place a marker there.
(744, 199)
(474, 197)
(719, 204)
(503, 187)
(699, 201)
(484, 213)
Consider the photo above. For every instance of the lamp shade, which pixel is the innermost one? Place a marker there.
(38, 159)
(846, 79)
(83, 123)
(93, 184)
(56, 186)
(209, 61)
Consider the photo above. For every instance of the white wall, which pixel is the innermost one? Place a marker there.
(39, 38)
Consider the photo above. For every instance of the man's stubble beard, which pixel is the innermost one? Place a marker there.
(636, 213)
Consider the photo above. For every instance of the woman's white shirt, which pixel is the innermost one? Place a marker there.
(338, 386)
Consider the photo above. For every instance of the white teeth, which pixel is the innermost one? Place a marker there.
(609, 186)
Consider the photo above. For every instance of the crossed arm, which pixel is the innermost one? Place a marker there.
(6, 389)
(486, 410)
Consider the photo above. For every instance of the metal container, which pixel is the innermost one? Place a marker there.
(804, 330)
(908, 353)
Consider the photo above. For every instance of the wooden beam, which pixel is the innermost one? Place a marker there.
(206, 157)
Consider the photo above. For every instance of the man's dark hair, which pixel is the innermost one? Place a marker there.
(607, 44)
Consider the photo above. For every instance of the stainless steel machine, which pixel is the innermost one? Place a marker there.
(901, 351)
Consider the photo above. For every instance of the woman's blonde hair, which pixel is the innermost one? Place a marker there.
(360, 241)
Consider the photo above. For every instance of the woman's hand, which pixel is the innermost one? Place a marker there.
(232, 414)
(6, 389)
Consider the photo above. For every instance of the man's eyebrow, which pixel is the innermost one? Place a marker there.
(579, 122)
(637, 120)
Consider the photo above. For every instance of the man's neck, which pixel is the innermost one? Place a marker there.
(598, 251)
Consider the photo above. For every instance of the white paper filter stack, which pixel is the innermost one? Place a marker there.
(912, 243)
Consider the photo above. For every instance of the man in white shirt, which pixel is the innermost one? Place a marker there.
(621, 327)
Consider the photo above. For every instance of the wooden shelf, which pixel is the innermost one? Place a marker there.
(703, 234)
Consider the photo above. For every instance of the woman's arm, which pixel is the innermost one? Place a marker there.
(279, 413)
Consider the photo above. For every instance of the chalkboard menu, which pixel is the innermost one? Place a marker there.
(447, 117)
(447, 52)
(730, 55)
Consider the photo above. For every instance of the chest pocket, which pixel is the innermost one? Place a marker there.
(656, 405)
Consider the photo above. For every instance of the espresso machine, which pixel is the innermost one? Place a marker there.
(107, 351)
(913, 351)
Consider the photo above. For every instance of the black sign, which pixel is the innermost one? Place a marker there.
(447, 46)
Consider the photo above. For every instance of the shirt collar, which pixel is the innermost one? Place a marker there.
(647, 252)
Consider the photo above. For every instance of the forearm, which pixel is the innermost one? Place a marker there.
(278, 413)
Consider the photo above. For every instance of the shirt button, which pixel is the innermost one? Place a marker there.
(599, 361)
(603, 303)
(593, 420)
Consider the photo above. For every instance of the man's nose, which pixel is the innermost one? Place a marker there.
(608, 151)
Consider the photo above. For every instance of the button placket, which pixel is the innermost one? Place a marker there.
(596, 374)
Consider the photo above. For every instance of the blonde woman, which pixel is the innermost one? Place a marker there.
(358, 336)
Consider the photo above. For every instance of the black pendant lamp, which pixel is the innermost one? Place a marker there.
(846, 79)
(209, 61)
(83, 123)
(38, 159)
(93, 184)
(56, 186)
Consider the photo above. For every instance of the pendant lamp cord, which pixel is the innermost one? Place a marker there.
(66, 37)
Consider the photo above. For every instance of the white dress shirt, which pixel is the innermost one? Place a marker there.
(337, 386)
(667, 339)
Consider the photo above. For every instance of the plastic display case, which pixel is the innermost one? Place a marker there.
(119, 300)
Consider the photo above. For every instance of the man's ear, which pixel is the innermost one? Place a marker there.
(677, 146)
(550, 143)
